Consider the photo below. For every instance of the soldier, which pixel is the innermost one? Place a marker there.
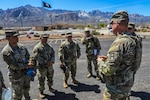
(131, 28)
(138, 39)
(45, 57)
(16, 56)
(117, 65)
(69, 52)
(93, 48)
(2, 85)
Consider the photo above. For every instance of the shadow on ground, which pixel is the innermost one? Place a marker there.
(61, 96)
(85, 88)
(142, 95)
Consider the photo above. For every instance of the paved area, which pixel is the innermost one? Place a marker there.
(89, 89)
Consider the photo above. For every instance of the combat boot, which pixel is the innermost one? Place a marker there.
(89, 75)
(65, 84)
(42, 95)
(74, 81)
(52, 90)
(97, 78)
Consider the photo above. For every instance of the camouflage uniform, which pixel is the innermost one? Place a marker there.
(1, 84)
(117, 68)
(16, 57)
(68, 52)
(44, 53)
(138, 40)
(92, 43)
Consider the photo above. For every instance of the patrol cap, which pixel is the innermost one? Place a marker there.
(11, 33)
(44, 35)
(119, 16)
(68, 34)
(87, 30)
(131, 25)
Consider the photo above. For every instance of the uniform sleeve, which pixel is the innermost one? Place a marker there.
(83, 40)
(11, 62)
(1, 77)
(98, 45)
(61, 52)
(78, 51)
(53, 55)
(37, 55)
(138, 56)
(27, 54)
(110, 66)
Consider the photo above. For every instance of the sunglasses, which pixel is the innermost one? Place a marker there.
(87, 32)
(130, 28)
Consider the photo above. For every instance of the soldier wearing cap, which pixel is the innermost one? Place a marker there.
(69, 52)
(16, 56)
(45, 57)
(93, 48)
(117, 65)
(138, 39)
(131, 28)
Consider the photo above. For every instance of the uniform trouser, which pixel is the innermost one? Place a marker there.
(0, 93)
(90, 59)
(71, 68)
(21, 87)
(112, 96)
(0, 90)
(42, 73)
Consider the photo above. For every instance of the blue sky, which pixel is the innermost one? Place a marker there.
(132, 6)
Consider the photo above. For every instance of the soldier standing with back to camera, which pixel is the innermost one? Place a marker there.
(117, 65)
(93, 48)
(45, 57)
(69, 52)
(16, 56)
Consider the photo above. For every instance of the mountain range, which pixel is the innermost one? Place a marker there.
(36, 16)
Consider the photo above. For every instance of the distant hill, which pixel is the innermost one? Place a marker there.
(36, 16)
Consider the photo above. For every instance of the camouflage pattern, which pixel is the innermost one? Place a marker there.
(138, 57)
(1, 83)
(117, 68)
(120, 16)
(44, 54)
(138, 40)
(68, 53)
(112, 96)
(92, 43)
(17, 60)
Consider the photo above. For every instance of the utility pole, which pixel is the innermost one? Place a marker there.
(21, 23)
(4, 25)
(135, 18)
(51, 19)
